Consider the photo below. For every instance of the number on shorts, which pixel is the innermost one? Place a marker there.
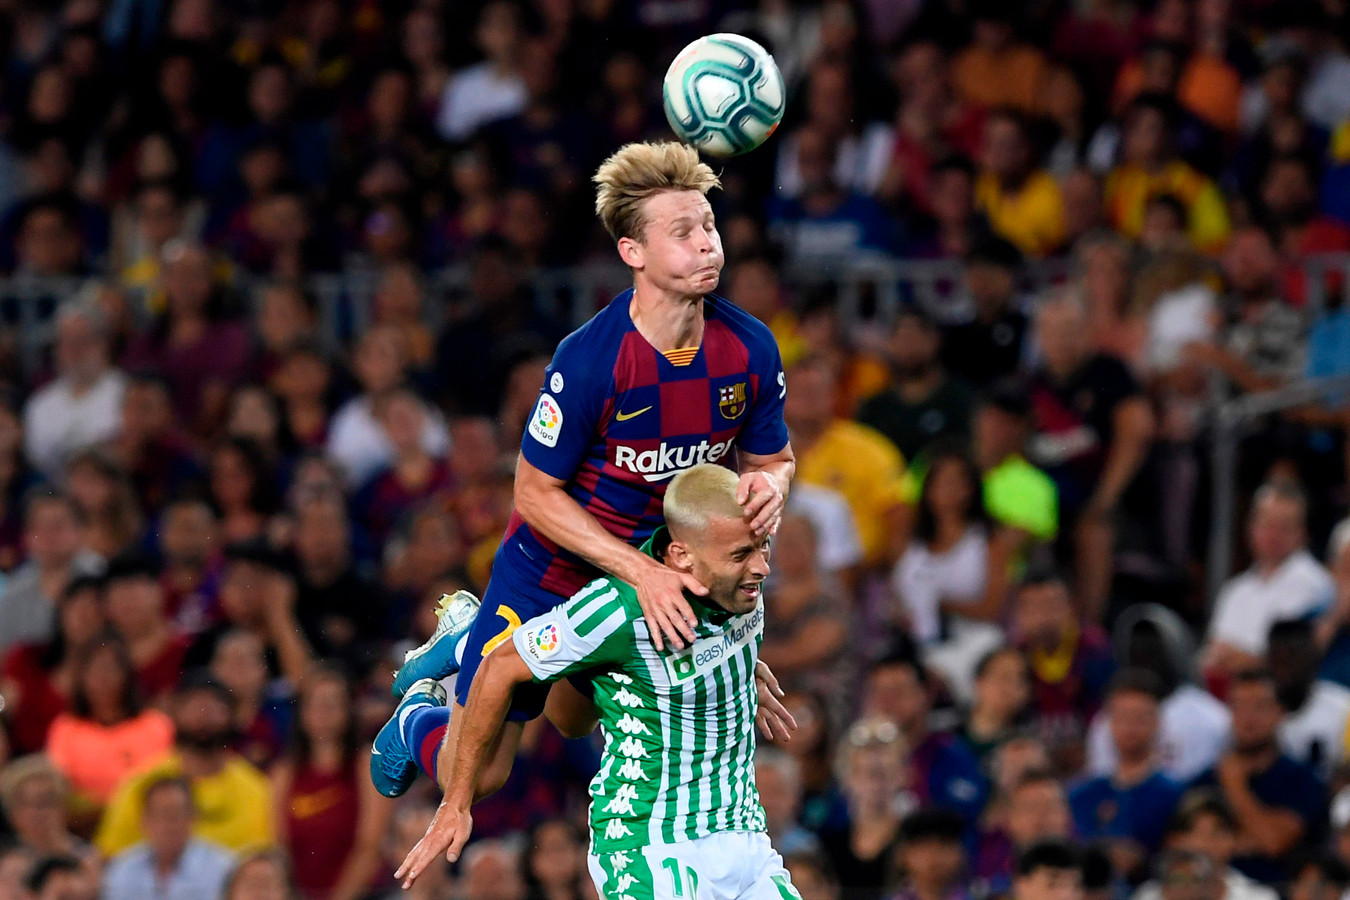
(684, 886)
(512, 623)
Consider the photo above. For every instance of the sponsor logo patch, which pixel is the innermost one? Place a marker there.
(546, 421)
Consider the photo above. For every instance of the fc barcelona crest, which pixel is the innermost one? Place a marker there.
(731, 400)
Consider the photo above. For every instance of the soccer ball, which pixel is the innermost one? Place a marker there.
(724, 94)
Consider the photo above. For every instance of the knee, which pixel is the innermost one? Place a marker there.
(494, 775)
(572, 728)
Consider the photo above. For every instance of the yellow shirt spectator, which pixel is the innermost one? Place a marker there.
(1032, 216)
(866, 469)
(234, 807)
(1129, 188)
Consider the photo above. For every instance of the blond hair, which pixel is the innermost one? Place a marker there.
(704, 492)
(641, 170)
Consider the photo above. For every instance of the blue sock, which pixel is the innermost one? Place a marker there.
(423, 729)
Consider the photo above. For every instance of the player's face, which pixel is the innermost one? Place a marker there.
(732, 563)
(681, 251)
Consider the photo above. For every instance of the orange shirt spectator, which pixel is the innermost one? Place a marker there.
(1207, 86)
(997, 70)
(95, 757)
(105, 735)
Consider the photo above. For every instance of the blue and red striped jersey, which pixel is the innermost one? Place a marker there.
(616, 420)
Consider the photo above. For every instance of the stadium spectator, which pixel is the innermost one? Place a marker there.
(827, 219)
(492, 89)
(1149, 166)
(1284, 582)
(33, 796)
(241, 489)
(171, 863)
(1017, 495)
(1261, 346)
(82, 406)
(1316, 711)
(56, 556)
(286, 314)
(36, 678)
(150, 446)
(355, 438)
(333, 603)
(778, 778)
(1205, 825)
(810, 631)
(932, 856)
(1022, 202)
(1093, 433)
(873, 760)
(303, 386)
(951, 582)
(261, 706)
(498, 324)
(997, 69)
(261, 873)
(232, 798)
(1289, 197)
(136, 612)
(413, 476)
(411, 819)
(1071, 664)
(1049, 870)
(1277, 802)
(492, 871)
(330, 819)
(1193, 727)
(1030, 808)
(989, 343)
(1129, 807)
(107, 504)
(1002, 689)
(857, 160)
(942, 770)
(844, 456)
(555, 861)
(190, 562)
(107, 734)
(190, 345)
(923, 402)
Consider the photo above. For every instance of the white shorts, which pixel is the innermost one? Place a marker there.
(730, 865)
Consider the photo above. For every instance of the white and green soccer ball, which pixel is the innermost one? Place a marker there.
(724, 94)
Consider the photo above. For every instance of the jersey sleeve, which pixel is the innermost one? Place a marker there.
(562, 425)
(765, 432)
(592, 629)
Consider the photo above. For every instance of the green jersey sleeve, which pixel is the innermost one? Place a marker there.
(594, 628)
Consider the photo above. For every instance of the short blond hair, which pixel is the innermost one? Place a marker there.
(641, 170)
(697, 495)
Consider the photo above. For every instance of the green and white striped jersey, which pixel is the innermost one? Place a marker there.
(678, 725)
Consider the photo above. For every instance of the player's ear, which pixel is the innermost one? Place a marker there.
(678, 558)
(631, 252)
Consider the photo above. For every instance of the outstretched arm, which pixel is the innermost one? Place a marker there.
(484, 714)
(543, 503)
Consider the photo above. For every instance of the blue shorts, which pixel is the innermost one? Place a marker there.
(512, 597)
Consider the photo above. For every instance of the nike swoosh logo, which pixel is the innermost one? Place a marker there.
(624, 417)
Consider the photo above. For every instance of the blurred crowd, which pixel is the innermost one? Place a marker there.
(219, 530)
